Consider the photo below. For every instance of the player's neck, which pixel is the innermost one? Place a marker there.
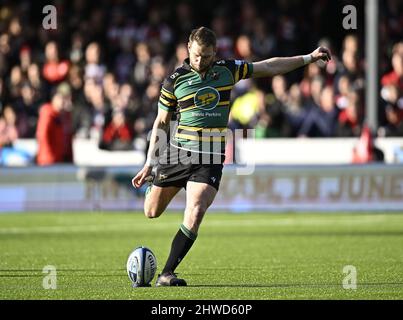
(202, 73)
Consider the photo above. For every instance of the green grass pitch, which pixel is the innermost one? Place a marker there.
(236, 256)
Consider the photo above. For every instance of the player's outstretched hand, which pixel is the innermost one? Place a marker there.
(321, 53)
(141, 176)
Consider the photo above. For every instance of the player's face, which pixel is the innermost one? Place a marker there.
(201, 57)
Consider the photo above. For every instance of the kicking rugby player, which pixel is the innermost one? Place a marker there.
(198, 95)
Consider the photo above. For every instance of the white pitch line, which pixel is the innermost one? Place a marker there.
(300, 221)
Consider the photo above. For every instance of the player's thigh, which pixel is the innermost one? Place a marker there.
(158, 199)
(199, 197)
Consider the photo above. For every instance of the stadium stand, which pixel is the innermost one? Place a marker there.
(114, 56)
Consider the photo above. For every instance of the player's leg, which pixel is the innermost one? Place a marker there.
(199, 197)
(167, 180)
(157, 200)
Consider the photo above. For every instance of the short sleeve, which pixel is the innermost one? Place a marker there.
(240, 69)
(167, 100)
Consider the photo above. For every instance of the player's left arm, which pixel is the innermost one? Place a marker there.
(279, 65)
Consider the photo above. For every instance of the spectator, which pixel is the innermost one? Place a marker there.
(54, 69)
(344, 86)
(109, 86)
(8, 130)
(141, 70)
(81, 112)
(350, 44)
(395, 77)
(225, 43)
(9, 154)
(296, 111)
(130, 100)
(246, 109)
(321, 122)
(263, 42)
(120, 27)
(394, 116)
(144, 117)
(117, 135)
(287, 34)
(25, 58)
(243, 48)
(181, 53)
(274, 116)
(100, 108)
(34, 79)
(77, 48)
(350, 118)
(15, 30)
(155, 32)
(243, 51)
(15, 82)
(54, 131)
(184, 17)
(248, 16)
(317, 85)
(124, 61)
(26, 107)
(94, 69)
(351, 64)
(5, 55)
(311, 71)
(157, 69)
(393, 109)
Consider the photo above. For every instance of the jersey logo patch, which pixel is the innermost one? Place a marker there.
(173, 76)
(206, 98)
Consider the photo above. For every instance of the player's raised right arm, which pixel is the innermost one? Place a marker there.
(160, 127)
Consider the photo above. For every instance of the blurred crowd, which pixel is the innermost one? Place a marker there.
(99, 74)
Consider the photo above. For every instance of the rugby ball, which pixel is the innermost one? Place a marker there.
(141, 267)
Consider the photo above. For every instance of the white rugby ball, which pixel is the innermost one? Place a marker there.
(141, 266)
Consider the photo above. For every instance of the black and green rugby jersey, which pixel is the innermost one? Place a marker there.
(202, 104)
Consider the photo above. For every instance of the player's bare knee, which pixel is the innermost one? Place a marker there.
(152, 212)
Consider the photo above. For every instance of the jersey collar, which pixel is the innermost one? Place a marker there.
(187, 66)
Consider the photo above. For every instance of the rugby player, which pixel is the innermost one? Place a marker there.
(197, 94)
